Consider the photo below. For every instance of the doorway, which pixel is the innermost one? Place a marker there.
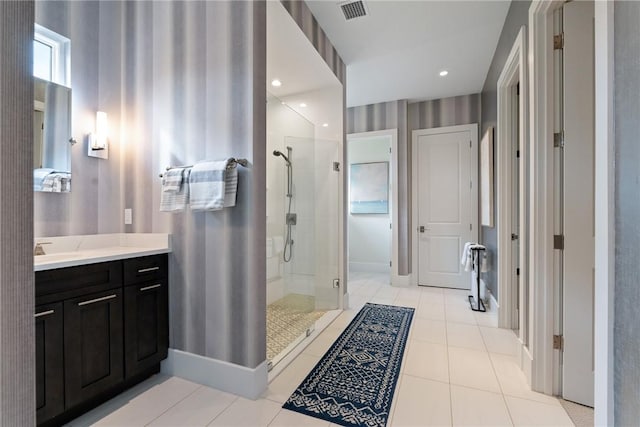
(512, 188)
(562, 226)
(373, 236)
(445, 203)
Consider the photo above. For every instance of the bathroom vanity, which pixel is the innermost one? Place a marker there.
(101, 321)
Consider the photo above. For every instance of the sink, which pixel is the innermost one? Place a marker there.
(38, 259)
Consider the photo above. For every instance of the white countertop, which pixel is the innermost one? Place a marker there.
(70, 251)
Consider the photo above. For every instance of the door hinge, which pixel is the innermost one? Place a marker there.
(518, 154)
(558, 342)
(517, 271)
(558, 241)
(558, 140)
(470, 144)
(390, 264)
(470, 227)
(558, 41)
(514, 236)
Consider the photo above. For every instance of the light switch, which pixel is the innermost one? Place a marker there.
(128, 217)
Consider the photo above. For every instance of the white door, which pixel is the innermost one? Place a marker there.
(578, 202)
(445, 175)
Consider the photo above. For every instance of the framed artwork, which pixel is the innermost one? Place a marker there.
(369, 188)
(486, 179)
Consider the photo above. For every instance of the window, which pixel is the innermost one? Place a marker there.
(51, 56)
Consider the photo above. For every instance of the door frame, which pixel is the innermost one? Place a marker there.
(396, 279)
(473, 131)
(604, 214)
(541, 198)
(515, 70)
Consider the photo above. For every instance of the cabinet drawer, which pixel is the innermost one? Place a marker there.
(63, 283)
(144, 269)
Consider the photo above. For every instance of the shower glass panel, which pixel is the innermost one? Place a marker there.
(303, 207)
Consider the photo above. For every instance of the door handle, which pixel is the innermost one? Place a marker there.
(422, 229)
(146, 288)
(146, 270)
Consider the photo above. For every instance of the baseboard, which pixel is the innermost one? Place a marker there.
(369, 267)
(221, 375)
(526, 362)
(493, 304)
(401, 281)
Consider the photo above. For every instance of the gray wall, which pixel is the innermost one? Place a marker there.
(193, 88)
(627, 208)
(91, 207)
(406, 118)
(517, 16)
(181, 82)
(17, 352)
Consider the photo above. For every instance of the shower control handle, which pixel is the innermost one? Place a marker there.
(291, 219)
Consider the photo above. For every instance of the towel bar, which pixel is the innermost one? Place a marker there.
(232, 164)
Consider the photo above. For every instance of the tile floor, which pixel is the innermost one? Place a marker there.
(459, 369)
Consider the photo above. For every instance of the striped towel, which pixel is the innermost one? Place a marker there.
(172, 199)
(208, 186)
(172, 180)
(231, 187)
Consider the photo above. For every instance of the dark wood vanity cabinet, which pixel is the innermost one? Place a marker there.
(93, 345)
(95, 336)
(49, 361)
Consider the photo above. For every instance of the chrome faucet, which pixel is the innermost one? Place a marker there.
(39, 250)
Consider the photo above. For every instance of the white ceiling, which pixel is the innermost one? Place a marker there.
(398, 50)
(305, 77)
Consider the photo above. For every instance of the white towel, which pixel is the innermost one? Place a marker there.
(56, 182)
(175, 201)
(208, 186)
(467, 257)
(38, 176)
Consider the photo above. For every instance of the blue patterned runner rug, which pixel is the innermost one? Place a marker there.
(354, 382)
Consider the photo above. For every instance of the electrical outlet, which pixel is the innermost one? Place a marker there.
(128, 217)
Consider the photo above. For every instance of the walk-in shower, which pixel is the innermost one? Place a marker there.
(290, 219)
(303, 202)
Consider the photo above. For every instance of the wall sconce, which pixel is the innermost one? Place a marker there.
(98, 145)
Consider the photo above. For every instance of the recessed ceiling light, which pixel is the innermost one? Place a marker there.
(325, 125)
(276, 83)
(303, 105)
(443, 73)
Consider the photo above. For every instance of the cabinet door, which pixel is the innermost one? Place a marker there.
(93, 345)
(146, 320)
(49, 362)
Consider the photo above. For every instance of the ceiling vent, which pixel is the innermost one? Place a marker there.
(353, 9)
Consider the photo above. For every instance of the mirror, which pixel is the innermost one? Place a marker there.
(51, 137)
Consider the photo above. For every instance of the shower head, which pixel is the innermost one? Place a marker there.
(279, 153)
